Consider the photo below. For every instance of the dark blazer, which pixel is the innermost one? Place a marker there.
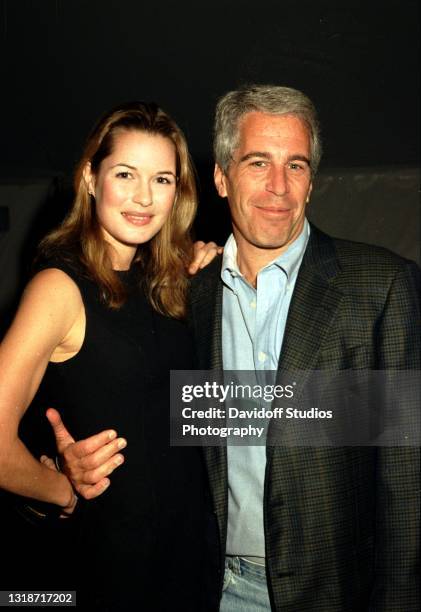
(341, 524)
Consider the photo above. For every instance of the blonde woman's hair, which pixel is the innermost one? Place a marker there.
(163, 259)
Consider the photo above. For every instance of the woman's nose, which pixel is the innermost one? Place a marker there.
(143, 194)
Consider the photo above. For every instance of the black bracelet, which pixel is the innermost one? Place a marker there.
(38, 513)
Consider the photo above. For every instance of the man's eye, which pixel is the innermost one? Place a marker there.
(124, 174)
(295, 166)
(259, 164)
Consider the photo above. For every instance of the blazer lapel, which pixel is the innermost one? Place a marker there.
(313, 308)
(313, 305)
(207, 317)
(216, 456)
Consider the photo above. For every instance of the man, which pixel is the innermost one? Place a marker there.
(301, 528)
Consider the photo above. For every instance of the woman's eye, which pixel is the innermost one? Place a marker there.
(124, 174)
(163, 180)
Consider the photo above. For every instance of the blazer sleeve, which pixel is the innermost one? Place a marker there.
(397, 582)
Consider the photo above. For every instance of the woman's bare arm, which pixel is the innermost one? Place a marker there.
(48, 325)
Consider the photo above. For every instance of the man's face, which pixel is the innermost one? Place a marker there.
(268, 182)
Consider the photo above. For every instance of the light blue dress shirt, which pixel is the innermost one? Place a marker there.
(253, 325)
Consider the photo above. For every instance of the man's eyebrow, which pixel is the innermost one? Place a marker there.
(299, 158)
(265, 155)
(261, 154)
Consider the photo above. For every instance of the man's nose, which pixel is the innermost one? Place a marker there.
(143, 193)
(277, 180)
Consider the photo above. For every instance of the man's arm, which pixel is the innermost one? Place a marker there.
(398, 469)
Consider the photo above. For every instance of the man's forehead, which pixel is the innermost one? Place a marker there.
(259, 127)
(261, 122)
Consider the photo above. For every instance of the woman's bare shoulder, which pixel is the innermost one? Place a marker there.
(52, 282)
(51, 301)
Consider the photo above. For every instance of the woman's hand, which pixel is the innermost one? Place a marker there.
(203, 254)
(87, 463)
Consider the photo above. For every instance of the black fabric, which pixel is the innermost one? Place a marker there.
(142, 543)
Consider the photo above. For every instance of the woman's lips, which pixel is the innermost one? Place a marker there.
(137, 219)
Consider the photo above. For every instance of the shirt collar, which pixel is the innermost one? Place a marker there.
(288, 262)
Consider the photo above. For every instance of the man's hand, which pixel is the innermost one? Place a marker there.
(203, 254)
(87, 463)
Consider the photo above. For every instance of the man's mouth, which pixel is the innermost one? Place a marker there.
(273, 210)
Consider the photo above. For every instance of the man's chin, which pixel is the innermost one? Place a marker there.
(271, 243)
(265, 241)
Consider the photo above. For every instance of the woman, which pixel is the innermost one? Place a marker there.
(97, 331)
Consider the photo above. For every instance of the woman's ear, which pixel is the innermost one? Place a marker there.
(89, 178)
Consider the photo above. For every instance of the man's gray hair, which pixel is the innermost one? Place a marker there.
(271, 99)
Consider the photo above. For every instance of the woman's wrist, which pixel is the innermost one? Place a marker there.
(64, 494)
(67, 498)
(68, 510)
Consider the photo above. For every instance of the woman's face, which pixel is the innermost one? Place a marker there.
(134, 191)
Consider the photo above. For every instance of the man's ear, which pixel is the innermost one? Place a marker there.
(89, 178)
(310, 189)
(220, 181)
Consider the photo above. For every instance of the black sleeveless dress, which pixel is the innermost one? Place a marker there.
(141, 544)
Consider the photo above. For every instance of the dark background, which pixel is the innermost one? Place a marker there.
(66, 61)
(63, 62)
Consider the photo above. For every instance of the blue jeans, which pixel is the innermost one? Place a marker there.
(245, 587)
